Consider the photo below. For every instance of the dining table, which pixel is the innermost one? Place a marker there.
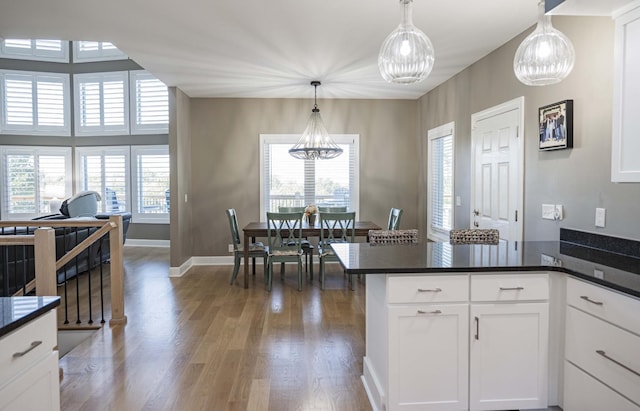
(258, 229)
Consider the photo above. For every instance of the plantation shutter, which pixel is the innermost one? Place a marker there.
(35, 49)
(151, 174)
(101, 104)
(441, 182)
(150, 99)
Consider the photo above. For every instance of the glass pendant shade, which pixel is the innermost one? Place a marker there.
(315, 143)
(546, 56)
(406, 55)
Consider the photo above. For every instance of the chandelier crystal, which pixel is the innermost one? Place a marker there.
(406, 55)
(315, 143)
(546, 56)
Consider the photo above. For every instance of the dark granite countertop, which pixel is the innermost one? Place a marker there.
(17, 311)
(615, 271)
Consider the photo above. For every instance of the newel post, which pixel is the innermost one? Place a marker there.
(45, 261)
(116, 248)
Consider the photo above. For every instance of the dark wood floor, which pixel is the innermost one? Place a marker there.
(197, 343)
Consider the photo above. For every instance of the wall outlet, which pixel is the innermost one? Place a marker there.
(549, 211)
(600, 217)
(230, 248)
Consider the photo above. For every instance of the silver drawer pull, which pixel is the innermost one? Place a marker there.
(604, 354)
(429, 290)
(429, 312)
(511, 288)
(25, 352)
(586, 298)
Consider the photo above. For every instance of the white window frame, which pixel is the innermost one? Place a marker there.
(103, 151)
(35, 52)
(137, 128)
(352, 139)
(446, 130)
(66, 152)
(35, 128)
(136, 216)
(101, 54)
(102, 129)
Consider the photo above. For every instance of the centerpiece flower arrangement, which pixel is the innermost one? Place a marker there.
(310, 213)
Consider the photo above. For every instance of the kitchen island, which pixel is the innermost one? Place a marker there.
(484, 327)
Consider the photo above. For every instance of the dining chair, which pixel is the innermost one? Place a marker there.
(394, 219)
(256, 250)
(389, 237)
(284, 231)
(307, 247)
(334, 228)
(474, 236)
(332, 209)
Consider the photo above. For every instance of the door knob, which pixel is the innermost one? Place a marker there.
(476, 212)
(475, 224)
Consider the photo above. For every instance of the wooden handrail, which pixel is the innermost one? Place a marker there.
(46, 265)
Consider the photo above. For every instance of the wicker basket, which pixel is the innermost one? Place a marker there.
(388, 237)
(474, 236)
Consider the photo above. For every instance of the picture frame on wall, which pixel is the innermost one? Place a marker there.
(556, 126)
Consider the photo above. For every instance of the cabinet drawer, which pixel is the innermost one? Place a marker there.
(509, 287)
(608, 305)
(42, 329)
(428, 289)
(605, 351)
(584, 393)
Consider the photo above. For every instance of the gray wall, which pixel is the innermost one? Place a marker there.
(578, 178)
(224, 136)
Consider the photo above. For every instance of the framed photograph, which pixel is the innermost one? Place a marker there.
(556, 125)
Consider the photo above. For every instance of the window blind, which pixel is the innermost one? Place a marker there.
(100, 104)
(150, 101)
(440, 182)
(151, 178)
(105, 170)
(86, 51)
(35, 49)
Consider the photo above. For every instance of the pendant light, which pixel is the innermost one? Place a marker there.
(546, 56)
(406, 55)
(315, 143)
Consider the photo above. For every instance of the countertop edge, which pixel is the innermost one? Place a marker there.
(29, 317)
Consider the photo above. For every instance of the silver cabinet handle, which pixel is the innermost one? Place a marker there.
(25, 352)
(511, 288)
(429, 290)
(586, 298)
(604, 354)
(477, 336)
(429, 312)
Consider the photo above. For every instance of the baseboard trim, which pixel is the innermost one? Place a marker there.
(141, 242)
(199, 260)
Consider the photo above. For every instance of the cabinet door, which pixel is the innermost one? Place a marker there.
(508, 356)
(428, 360)
(37, 388)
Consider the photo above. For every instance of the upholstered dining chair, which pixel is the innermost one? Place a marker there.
(307, 247)
(334, 228)
(332, 209)
(284, 231)
(474, 236)
(394, 219)
(389, 237)
(256, 250)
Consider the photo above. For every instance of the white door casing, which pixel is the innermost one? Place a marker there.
(497, 177)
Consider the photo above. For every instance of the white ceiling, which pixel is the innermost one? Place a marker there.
(274, 48)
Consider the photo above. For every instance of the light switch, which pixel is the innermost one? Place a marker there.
(559, 212)
(600, 217)
(549, 211)
(458, 201)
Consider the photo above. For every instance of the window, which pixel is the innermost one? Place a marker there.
(287, 181)
(42, 50)
(86, 51)
(150, 177)
(440, 182)
(105, 170)
(101, 103)
(35, 103)
(150, 104)
(34, 180)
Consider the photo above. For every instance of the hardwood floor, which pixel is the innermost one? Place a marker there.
(197, 343)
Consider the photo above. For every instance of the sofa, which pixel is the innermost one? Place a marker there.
(17, 266)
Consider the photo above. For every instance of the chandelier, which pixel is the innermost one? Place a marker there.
(406, 55)
(546, 56)
(315, 143)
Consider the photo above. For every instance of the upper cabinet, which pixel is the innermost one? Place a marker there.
(625, 161)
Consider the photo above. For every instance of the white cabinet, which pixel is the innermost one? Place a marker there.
(29, 378)
(625, 163)
(509, 341)
(424, 353)
(602, 346)
(428, 357)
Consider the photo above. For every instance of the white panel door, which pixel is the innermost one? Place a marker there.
(496, 180)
